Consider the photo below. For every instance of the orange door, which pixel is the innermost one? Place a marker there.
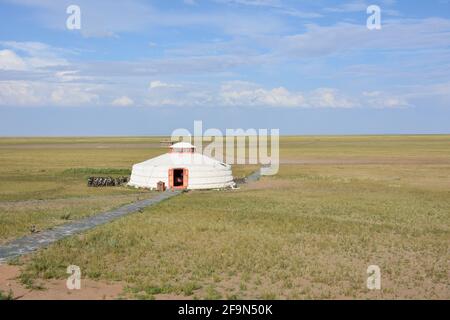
(170, 178)
(185, 178)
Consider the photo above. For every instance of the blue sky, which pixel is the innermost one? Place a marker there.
(149, 67)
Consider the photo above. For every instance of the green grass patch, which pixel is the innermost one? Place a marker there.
(6, 295)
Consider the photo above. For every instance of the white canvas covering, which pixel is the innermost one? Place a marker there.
(204, 172)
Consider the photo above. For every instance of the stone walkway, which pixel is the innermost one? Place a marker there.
(255, 176)
(42, 239)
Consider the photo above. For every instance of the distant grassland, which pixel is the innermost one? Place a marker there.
(95, 171)
(338, 205)
(77, 140)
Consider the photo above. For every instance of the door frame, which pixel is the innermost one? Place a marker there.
(185, 178)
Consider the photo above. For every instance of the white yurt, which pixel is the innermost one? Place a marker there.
(182, 168)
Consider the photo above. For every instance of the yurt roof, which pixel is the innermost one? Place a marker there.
(181, 159)
(182, 145)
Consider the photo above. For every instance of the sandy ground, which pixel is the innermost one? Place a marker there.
(56, 289)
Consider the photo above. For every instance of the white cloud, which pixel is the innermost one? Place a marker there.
(100, 18)
(263, 3)
(67, 76)
(402, 34)
(20, 93)
(73, 95)
(353, 6)
(330, 98)
(377, 99)
(30, 47)
(11, 61)
(123, 101)
(361, 6)
(35, 93)
(276, 5)
(245, 94)
(103, 18)
(35, 55)
(40, 61)
(159, 84)
(229, 94)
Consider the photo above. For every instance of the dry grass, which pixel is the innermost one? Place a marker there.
(46, 186)
(309, 232)
(16, 217)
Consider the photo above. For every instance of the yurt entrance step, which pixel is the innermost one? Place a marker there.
(178, 178)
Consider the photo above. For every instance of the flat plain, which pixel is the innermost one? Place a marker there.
(337, 205)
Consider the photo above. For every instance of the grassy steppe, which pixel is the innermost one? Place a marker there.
(338, 205)
(43, 180)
